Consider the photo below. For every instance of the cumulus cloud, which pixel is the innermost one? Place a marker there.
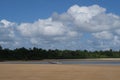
(89, 18)
(80, 27)
(6, 32)
(46, 31)
(84, 14)
(42, 27)
(103, 35)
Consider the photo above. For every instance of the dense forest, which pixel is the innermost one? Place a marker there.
(39, 54)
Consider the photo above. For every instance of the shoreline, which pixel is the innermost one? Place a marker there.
(100, 61)
(91, 59)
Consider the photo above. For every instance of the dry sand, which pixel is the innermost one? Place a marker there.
(58, 72)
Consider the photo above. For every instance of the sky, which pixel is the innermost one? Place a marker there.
(60, 24)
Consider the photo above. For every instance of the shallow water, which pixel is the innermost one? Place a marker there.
(65, 62)
(93, 62)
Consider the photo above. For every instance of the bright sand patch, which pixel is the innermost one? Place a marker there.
(58, 72)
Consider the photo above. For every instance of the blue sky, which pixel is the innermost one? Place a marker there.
(31, 10)
(61, 24)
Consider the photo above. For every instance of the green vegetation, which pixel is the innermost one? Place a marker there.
(38, 54)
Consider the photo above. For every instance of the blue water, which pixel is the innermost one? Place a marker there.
(93, 62)
(65, 62)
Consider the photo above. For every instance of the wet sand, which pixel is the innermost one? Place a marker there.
(58, 72)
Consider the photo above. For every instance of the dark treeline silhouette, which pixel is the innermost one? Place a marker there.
(39, 54)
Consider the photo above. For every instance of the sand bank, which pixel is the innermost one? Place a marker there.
(58, 72)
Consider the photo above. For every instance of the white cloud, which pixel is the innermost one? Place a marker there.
(6, 31)
(116, 41)
(47, 31)
(103, 35)
(117, 31)
(66, 31)
(84, 14)
(88, 18)
(42, 27)
(4, 23)
(8, 35)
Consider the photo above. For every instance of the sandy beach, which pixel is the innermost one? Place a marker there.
(58, 72)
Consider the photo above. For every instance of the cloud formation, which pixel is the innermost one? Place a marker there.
(7, 32)
(80, 27)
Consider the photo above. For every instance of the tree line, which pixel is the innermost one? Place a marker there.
(39, 54)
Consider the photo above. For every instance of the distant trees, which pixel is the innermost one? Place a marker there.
(0, 47)
(38, 54)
